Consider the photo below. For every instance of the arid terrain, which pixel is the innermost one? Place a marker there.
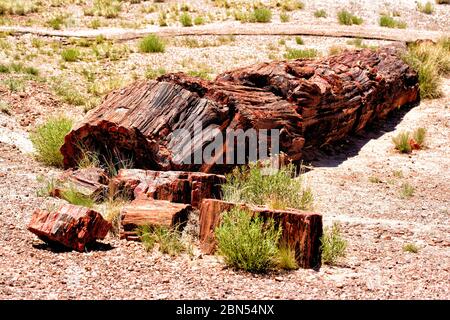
(357, 182)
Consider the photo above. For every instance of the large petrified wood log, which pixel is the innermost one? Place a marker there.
(311, 102)
(71, 226)
(175, 186)
(300, 230)
(141, 212)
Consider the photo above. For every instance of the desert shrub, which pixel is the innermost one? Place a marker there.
(107, 8)
(284, 17)
(406, 190)
(4, 68)
(70, 54)
(431, 61)
(69, 94)
(320, 13)
(56, 22)
(401, 142)
(390, 22)
(410, 247)
(186, 20)
(262, 15)
(333, 244)
(199, 20)
(73, 196)
(15, 85)
(300, 53)
(286, 258)
(152, 43)
(5, 107)
(168, 239)
(299, 40)
(347, 18)
(151, 73)
(31, 71)
(95, 24)
(247, 242)
(428, 8)
(48, 138)
(335, 49)
(419, 135)
(260, 185)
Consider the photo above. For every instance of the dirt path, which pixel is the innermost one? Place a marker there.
(236, 28)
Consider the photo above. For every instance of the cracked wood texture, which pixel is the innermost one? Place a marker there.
(311, 102)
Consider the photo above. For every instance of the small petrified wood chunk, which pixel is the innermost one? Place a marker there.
(300, 230)
(175, 186)
(141, 212)
(71, 226)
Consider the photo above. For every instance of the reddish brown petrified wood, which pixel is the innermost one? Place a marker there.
(311, 102)
(71, 226)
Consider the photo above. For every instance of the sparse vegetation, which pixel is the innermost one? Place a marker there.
(299, 40)
(411, 248)
(292, 53)
(418, 136)
(151, 73)
(320, 13)
(259, 184)
(431, 61)
(48, 138)
(262, 15)
(333, 244)
(426, 8)
(57, 22)
(401, 142)
(374, 179)
(347, 18)
(286, 258)
(390, 22)
(247, 242)
(74, 196)
(70, 54)
(168, 239)
(152, 43)
(285, 17)
(406, 190)
(186, 20)
(5, 107)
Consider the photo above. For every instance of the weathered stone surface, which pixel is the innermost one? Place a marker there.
(175, 186)
(91, 182)
(141, 212)
(311, 101)
(300, 230)
(71, 226)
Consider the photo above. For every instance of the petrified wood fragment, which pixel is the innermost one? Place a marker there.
(141, 212)
(71, 226)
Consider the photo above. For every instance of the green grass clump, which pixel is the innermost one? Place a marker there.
(390, 22)
(56, 22)
(168, 239)
(401, 142)
(186, 20)
(320, 13)
(5, 107)
(262, 15)
(48, 138)
(432, 62)
(152, 43)
(299, 40)
(410, 247)
(73, 196)
(284, 17)
(4, 68)
(286, 258)
(347, 18)
(428, 8)
(406, 190)
(260, 185)
(70, 54)
(247, 242)
(419, 136)
(291, 5)
(199, 20)
(300, 53)
(333, 245)
(107, 8)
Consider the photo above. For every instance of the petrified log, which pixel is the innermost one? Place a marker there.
(311, 102)
(141, 212)
(90, 182)
(300, 230)
(175, 186)
(71, 226)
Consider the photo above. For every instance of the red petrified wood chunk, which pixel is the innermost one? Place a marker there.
(300, 230)
(175, 186)
(71, 226)
(141, 212)
(91, 182)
